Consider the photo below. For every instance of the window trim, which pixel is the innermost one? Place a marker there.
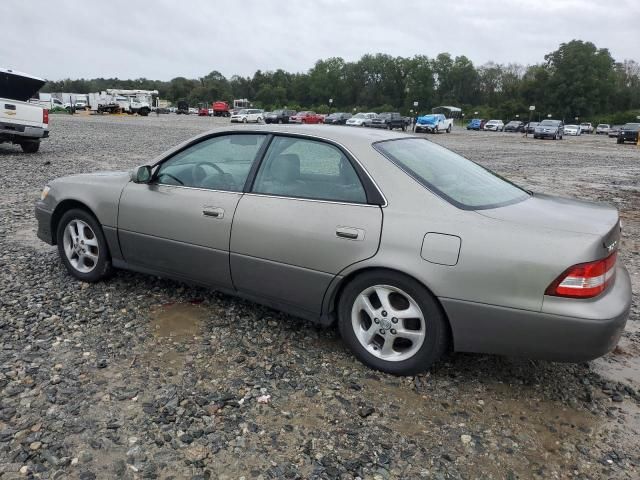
(372, 192)
(203, 138)
(436, 191)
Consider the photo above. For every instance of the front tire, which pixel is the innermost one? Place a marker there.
(392, 323)
(82, 246)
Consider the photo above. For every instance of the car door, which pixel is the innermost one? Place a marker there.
(180, 222)
(307, 217)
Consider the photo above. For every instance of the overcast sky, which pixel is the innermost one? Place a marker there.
(162, 39)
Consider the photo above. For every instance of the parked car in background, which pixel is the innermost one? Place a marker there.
(629, 133)
(193, 111)
(573, 130)
(247, 115)
(204, 112)
(279, 116)
(21, 123)
(514, 126)
(306, 117)
(476, 124)
(183, 108)
(549, 129)
(390, 121)
(586, 127)
(337, 118)
(602, 129)
(361, 119)
(494, 126)
(378, 232)
(614, 130)
(530, 127)
(433, 123)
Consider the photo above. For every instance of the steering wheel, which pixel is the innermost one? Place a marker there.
(171, 176)
(199, 173)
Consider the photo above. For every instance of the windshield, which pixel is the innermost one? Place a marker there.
(570, 127)
(603, 125)
(632, 126)
(359, 115)
(384, 115)
(551, 123)
(243, 112)
(277, 112)
(461, 182)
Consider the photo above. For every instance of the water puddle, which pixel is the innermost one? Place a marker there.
(623, 364)
(173, 328)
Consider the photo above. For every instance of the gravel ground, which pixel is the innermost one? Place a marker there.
(140, 377)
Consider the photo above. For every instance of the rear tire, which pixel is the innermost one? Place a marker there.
(82, 246)
(449, 129)
(30, 147)
(410, 332)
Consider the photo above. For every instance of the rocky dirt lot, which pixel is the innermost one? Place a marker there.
(140, 377)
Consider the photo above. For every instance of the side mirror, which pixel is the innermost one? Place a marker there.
(141, 174)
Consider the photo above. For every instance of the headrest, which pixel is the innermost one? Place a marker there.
(285, 168)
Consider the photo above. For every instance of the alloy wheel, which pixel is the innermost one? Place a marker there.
(388, 323)
(81, 246)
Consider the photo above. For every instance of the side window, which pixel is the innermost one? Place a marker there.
(218, 163)
(295, 167)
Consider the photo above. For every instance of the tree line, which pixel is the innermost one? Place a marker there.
(576, 80)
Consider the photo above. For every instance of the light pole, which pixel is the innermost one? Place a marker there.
(414, 118)
(462, 115)
(531, 110)
(330, 103)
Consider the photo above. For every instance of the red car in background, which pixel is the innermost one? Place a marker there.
(306, 117)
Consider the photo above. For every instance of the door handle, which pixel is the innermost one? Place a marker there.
(350, 233)
(213, 212)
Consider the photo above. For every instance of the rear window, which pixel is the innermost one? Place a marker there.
(461, 182)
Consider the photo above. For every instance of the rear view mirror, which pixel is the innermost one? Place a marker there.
(141, 174)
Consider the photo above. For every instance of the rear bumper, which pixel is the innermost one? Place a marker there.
(17, 132)
(581, 330)
(43, 216)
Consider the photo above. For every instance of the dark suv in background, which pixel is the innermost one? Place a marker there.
(338, 118)
(279, 116)
(629, 133)
(514, 126)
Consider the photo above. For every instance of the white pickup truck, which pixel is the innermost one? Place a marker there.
(21, 123)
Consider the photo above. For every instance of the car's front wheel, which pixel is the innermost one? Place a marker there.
(392, 323)
(82, 246)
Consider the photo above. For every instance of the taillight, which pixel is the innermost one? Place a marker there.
(45, 116)
(585, 280)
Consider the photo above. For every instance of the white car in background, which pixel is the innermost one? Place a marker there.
(247, 115)
(603, 129)
(586, 127)
(494, 125)
(573, 130)
(361, 119)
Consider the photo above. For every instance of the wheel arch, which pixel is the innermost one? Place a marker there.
(62, 208)
(335, 290)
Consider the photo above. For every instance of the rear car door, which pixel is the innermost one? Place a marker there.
(311, 212)
(180, 222)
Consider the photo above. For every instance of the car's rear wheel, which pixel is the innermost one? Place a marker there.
(392, 323)
(82, 246)
(449, 129)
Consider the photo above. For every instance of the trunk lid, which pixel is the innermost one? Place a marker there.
(557, 213)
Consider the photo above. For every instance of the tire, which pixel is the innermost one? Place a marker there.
(430, 330)
(449, 129)
(30, 147)
(619, 140)
(91, 241)
(435, 130)
(390, 127)
(279, 121)
(404, 128)
(244, 120)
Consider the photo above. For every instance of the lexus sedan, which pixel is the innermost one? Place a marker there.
(410, 248)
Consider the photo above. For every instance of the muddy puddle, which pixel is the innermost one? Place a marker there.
(623, 364)
(173, 328)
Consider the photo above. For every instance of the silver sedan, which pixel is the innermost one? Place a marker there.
(410, 248)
